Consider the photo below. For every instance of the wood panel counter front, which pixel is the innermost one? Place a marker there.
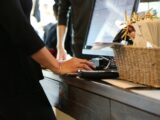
(96, 100)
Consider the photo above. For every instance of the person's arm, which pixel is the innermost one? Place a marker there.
(44, 58)
(61, 35)
(62, 29)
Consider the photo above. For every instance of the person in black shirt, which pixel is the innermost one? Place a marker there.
(22, 52)
(80, 15)
(50, 34)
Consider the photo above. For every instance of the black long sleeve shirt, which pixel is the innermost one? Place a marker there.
(19, 74)
(80, 15)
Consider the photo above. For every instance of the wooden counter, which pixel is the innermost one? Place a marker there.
(96, 100)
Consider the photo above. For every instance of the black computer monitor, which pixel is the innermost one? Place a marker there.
(105, 21)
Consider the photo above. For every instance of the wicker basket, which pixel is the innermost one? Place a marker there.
(139, 65)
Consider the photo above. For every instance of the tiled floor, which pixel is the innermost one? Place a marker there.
(61, 115)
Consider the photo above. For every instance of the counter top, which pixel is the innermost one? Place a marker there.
(144, 99)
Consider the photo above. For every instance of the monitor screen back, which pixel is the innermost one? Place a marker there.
(105, 22)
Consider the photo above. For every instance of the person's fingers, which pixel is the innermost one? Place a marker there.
(90, 64)
(75, 64)
(84, 66)
(87, 63)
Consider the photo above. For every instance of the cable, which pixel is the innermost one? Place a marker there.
(109, 62)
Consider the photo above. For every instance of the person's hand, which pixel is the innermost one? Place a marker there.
(75, 64)
(61, 54)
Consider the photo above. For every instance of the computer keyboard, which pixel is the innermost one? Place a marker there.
(98, 74)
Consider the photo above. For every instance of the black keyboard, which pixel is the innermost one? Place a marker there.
(98, 74)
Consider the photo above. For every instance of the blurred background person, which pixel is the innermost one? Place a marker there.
(80, 14)
(50, 34)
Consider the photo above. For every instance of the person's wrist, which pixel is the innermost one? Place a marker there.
(60, 68)
(60, 47)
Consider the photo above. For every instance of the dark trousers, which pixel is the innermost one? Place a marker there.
(77, 50)
(29, 107)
